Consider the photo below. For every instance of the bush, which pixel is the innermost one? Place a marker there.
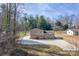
(18, 52)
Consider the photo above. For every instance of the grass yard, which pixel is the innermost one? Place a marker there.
(43, 50)
(21, 34)
(71, 39)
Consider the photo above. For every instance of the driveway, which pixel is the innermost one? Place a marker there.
(58, 42)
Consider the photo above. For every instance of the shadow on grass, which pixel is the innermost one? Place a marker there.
(20, 52)
(52, 51)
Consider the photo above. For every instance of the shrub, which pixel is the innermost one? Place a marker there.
(18, 52)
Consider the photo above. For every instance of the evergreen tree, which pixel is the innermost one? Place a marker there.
(41, 23)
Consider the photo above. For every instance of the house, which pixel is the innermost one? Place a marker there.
(73, 31)
(41, 34)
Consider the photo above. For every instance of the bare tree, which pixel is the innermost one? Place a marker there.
(14, 24)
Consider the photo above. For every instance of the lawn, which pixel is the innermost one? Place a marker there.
(70, 39)
(46, 50)
(21, 34)
(41, 50)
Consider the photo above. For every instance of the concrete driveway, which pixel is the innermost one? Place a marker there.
(58, 42)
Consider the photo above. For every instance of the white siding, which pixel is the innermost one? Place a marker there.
(70, 32)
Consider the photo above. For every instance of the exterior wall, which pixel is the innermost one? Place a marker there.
(76, 33)
(34, 33)
(70, 32)
(39, 34)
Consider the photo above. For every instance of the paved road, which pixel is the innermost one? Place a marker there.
(58, 42)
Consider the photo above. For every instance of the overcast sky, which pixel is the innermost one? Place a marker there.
(50, 10)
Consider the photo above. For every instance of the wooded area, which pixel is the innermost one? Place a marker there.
(7, 28)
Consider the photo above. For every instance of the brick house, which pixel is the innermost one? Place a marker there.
(41, 34)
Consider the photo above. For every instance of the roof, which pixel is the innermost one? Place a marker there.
(35, 29)
(75, 30)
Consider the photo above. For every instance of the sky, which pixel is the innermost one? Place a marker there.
(50, 10)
